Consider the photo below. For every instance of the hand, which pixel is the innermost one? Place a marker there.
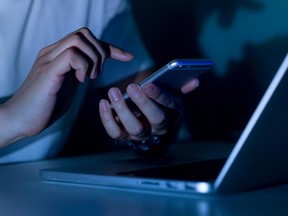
(57, 70)
(158, 109)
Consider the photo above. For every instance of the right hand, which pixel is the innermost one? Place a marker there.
(32, 108)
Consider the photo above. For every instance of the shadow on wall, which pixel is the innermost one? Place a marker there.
(247, 39)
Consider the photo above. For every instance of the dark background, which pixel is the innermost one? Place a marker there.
(222, 105)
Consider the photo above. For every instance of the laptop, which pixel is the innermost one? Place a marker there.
(258, 159)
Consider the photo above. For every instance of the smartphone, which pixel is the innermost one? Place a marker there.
(178, 72)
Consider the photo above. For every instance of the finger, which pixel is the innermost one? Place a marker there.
(84, 40)
(190, 86)
(84, 31)
(126, 116)
(47, 49)
(111, 126)
(80, 42)
(119, 54)
(70, 59)
(160, 95)
(105, 49)
(154, 114)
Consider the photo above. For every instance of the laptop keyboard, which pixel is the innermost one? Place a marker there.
(196, 171)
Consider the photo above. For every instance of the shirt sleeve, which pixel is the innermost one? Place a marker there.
(122, 31)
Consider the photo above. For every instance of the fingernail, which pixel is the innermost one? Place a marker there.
(114, 94)
(196, 83)
(133, 90)
(104, 105)
(129, 55)
(149, 89)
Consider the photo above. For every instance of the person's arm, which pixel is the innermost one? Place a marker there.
(39, 101)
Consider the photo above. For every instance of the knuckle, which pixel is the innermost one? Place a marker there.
(70, 53)
(159, 120)
(137, 131)
(43, 68)
(118, 106)
(85, 30)
(141, 101)
(75, 39)
(106, 118)
(144, 101)
(84, 65)
(43, 51)
(115, 135)
(169, 102)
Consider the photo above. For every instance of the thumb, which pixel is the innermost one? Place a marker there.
(119, 54)
(190, 86)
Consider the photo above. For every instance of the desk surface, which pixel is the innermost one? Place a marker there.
(23, 192)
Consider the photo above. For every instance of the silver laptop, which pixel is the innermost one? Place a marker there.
(258, 159)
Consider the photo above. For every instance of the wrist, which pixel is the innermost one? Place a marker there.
(152, 142)
(152, 145)
(8, 130)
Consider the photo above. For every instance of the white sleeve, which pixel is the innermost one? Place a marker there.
(122, 31)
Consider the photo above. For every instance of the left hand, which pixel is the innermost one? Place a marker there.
(158, 109)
